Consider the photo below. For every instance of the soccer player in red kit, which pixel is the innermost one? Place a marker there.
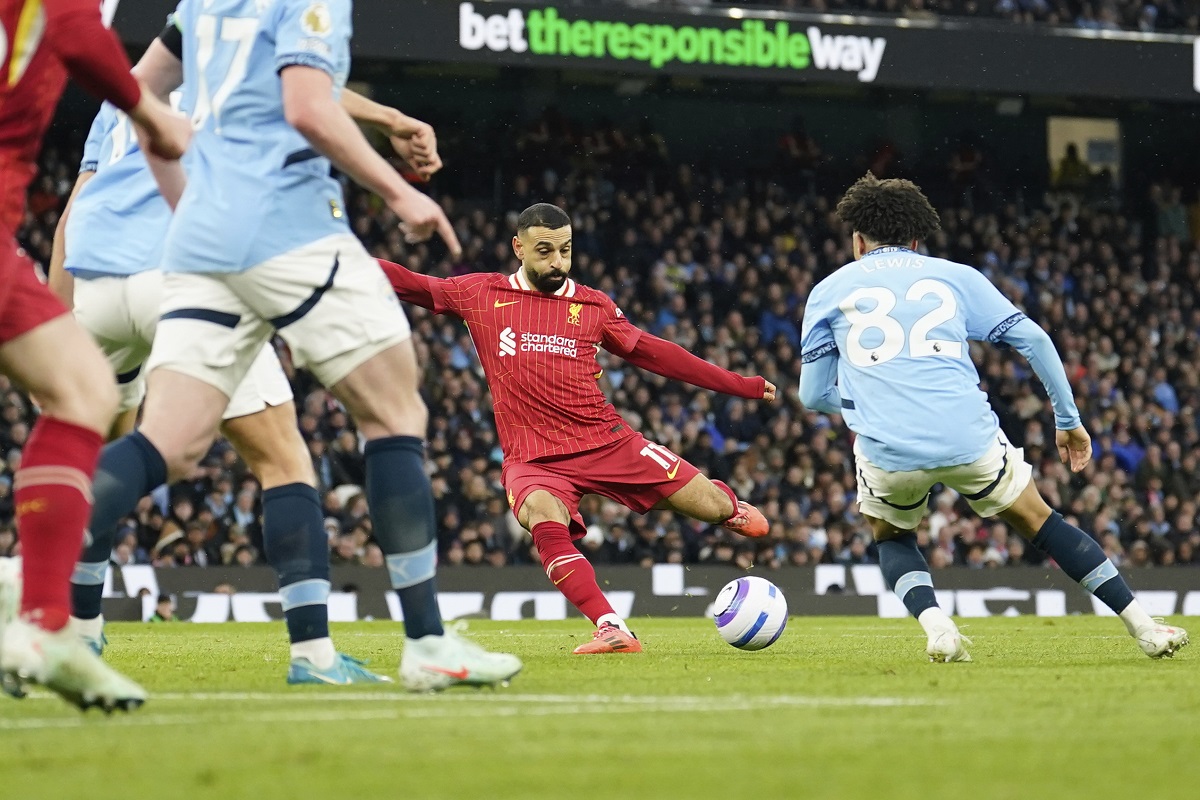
(44, 350)
(537, 333)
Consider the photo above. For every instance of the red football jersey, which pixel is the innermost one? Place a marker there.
(539, 355)
(41, 39)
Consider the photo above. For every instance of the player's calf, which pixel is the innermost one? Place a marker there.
(571, 573)
(1082, 558)
(907, 574)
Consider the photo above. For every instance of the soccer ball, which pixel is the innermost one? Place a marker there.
(750, 613)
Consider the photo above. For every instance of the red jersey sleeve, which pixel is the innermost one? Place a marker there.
(440, 295)
(90, 52)
(619, 336)
(672, 361)
(409, 286)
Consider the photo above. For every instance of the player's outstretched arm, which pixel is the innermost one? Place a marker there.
(818, 385)
(1038, 349)
(311, 109)
(413, 140)
(672, 361)
(61, 282)
(411, 287)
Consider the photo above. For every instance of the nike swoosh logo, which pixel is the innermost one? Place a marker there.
(673, 471)
(563, 578)
(326, 679)
(459, 674)
(502, 305)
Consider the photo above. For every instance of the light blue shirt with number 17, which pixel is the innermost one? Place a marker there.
(256, 188)
(896, 324)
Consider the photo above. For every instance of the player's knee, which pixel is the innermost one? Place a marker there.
(882, 530)
(85, 397)
(404, 415)
(541, 506)
(282, 466)
(179, 454)
(181, 463)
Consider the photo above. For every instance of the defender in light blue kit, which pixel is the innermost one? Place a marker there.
(885, 343)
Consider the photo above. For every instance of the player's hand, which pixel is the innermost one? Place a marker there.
(1074, 447)
(421, 217)
(768, 391)
(161, 132)
(416, 143)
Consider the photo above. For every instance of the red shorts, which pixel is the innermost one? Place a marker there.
(633, 471)
(25, 302)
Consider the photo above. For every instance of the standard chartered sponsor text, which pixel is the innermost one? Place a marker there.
(548, 343)
(754, 43)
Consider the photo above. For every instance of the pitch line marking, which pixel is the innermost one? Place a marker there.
(455, 711)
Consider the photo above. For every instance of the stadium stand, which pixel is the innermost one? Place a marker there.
(722, 263)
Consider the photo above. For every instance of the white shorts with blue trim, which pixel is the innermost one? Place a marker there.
(329, 301)
(990, 484)
(121, 314)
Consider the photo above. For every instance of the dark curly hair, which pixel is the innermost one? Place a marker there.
(892, 211)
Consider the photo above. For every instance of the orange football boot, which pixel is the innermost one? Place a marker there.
(609, 639)
(748, 521)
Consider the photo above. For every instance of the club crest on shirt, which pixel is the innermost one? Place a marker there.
(316, 20)
(573, 312)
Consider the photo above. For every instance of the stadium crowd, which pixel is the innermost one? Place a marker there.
(1182, 16)
(722, 265)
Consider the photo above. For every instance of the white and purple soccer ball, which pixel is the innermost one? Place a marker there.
(750, 613)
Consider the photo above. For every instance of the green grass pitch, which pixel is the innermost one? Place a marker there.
(837, 708)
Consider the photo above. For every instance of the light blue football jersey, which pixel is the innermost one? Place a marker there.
(118, 221)
(899, 323)
(256, 189)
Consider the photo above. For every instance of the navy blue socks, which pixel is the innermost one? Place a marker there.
(296, 546)
(129, 469)
(1084, 561)
(907, 573)
(401, 503)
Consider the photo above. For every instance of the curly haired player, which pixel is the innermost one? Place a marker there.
(884, 343)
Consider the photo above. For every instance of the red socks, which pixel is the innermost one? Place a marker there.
(569, 570)
(53, 495)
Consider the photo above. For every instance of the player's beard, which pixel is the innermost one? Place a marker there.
(548, 283)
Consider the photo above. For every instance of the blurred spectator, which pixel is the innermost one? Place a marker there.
(164, 610)
(1073, 173)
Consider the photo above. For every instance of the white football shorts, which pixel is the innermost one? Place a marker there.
(990, 484)
(329, 301)
(121, 314)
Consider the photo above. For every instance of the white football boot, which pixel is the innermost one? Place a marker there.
(433, 663)
(63, 663)
(947, 645)
(1161, 640)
